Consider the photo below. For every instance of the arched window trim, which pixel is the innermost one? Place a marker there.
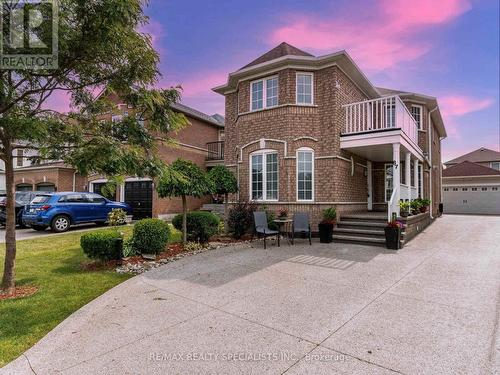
(304, 149)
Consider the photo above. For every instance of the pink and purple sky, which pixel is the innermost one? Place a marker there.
(443, 48)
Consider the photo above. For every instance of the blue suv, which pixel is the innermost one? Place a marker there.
(61, 210)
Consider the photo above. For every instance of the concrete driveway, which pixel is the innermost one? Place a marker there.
(28, 233)
(431, 308)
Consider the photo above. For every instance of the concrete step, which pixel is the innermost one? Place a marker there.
(359, 232)
(212, 207)
(381, 218)
(361, 223)
(358, 239)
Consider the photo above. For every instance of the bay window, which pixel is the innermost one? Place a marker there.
(264, 176)
(304, 85)
(264, 93)
(305, 174)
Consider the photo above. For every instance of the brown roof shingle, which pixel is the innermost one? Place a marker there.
(466, 168)
(478, 156)
(284, 49)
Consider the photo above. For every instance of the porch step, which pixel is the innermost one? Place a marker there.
(359, 232)
(371, 217)
(361, 223)
(359, 239)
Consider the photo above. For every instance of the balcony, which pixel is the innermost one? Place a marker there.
(215, 152)
(372, 126)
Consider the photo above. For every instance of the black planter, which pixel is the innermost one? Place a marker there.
(325, 232)
(392, 238)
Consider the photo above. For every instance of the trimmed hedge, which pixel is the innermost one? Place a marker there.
(101, 245)
(201, 225)
(150, 236)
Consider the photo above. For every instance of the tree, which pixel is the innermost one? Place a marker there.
(225, 183)
(99, 47)
(190, 181)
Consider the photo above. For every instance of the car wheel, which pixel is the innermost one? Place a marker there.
(60, 223)
(39, 227)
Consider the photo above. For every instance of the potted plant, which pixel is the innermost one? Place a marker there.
(327, 224)
(424, 205)
(415, 206)
(282, 213)
(404, 208)
(393, 234)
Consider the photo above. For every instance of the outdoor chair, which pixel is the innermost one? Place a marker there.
(262, 230)
(301, 225)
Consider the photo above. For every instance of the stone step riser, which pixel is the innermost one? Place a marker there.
(358, 233)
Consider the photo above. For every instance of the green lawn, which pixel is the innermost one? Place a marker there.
(53, 264)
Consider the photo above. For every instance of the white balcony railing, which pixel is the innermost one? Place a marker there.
(380, 114)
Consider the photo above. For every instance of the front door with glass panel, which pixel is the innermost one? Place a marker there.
(389, 185)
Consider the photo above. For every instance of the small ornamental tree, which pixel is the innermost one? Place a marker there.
(225, 183)
(184, 179)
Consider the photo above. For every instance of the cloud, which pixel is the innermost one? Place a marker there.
(389, 34)
(455, 106)
(157, 32)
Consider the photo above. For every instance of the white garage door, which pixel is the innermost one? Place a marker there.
(471, 200)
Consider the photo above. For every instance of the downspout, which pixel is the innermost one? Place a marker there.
(74, 181)
(429, 161)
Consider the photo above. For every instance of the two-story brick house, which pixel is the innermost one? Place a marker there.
(306, 132)
(200, 142)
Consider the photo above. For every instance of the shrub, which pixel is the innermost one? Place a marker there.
(150, 236)
(200, 225)
(101, 245)
(116, 217)
(193, 246)
(329, 215)
(241, 218)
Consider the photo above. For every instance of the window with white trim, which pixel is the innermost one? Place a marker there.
(304, 85)
(264, 93)
(495, 165)
(416, 112)
(305, 174)
(264, 176)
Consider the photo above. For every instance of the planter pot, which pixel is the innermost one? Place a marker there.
(325, 232)
(128, 219)
(404, 213)
(423, 209)
(392, 238)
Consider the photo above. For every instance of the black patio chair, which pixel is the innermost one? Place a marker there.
(261, 229)
(302, 225)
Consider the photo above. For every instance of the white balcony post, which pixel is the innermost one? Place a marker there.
(370, 184)
(396, 179)
(415, 177)
(408, 174)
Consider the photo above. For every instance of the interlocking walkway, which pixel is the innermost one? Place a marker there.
(431, 308)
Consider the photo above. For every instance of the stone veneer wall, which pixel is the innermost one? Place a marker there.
(414, 225)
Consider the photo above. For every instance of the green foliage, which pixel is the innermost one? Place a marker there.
(189, 180)
(404, 206)
(329, 214)
(223, 180)
(150, 236)
(200, 225)
(425, 202)
(416, 204)
(193, 246)
(117, 217)
(241, 218)
(101, 245)
(128, 248)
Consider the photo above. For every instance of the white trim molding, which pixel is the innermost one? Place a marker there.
(313, 172)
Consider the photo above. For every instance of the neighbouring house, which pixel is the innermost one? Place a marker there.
(305, 133)
(471, 183)
(201, 142)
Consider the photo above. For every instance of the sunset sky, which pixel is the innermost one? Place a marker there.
(446, 48)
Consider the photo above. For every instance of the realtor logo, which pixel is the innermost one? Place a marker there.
(28, 34)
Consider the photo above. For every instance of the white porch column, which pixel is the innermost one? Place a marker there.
(408, 174)
(415, 176)
(121, 192)
(396, 177)
(370, 185)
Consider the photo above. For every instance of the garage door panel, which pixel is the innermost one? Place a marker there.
(139, 195)
(472, 201)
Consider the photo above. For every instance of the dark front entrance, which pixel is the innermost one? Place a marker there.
(139, 195)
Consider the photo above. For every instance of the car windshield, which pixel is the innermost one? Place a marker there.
(40, 199)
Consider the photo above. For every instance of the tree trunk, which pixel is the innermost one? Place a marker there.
(8, 279)
(226, 218)
(184, 219)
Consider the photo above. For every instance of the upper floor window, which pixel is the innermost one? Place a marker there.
(20, 157)
(495, 165)
(264, 93)
(416, 112)
(305, 174)
(305, 88)
(264, 176)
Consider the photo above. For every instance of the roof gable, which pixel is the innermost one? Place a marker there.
(284, 49)
(480, 155)
(467, 168)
